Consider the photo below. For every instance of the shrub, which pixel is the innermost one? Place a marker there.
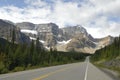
(19, 69)
(4, 70)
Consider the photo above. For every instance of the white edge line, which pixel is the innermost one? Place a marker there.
(86, 71)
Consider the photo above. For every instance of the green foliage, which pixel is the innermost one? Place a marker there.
(18, 69)
(13, 36)
(110, 52)
(2, 68)
(18, 57)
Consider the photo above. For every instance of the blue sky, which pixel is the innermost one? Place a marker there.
(97, 16)
(18, 3)
(21, 3)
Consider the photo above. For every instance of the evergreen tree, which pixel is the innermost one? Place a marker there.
(13, 36)
(109, 52)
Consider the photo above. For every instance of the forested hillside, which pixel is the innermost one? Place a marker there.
(16, 57)
(109, 52)
(109, 56)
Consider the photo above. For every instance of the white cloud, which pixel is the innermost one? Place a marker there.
(11, 13)
(35, 3)
(63, 13)
(102, 27)
(114, 29)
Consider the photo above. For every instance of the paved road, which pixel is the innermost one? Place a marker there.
(76, 71)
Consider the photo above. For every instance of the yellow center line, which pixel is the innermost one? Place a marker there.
(51, 73)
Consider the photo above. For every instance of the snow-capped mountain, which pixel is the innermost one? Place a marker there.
(6, 32)
(71, 38)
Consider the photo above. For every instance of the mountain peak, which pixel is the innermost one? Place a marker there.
(110, 36)
(83, 30)
(73, 30)
(64, 39)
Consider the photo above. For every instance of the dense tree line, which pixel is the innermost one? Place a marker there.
(15, 57)
(109, 52)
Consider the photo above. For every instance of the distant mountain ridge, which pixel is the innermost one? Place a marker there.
(6, 32)
(72, 38)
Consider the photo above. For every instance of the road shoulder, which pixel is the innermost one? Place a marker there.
(110, 73)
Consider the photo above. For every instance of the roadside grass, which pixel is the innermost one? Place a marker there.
(30, 67)
(113, 68)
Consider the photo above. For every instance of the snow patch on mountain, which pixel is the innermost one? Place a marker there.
(29, 31)
(36, 39)
(42, 41)
(32, 38)
(63, 42)
(48, 48)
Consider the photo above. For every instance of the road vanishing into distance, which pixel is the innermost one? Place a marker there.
(75, 71)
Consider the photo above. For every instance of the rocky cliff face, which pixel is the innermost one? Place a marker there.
(6, 32)
(75, 30)
(26, 25)
(70, 32)
(46, 32)
(81, 43)
(72, 38)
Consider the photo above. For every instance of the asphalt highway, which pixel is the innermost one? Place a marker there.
(75, 71)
